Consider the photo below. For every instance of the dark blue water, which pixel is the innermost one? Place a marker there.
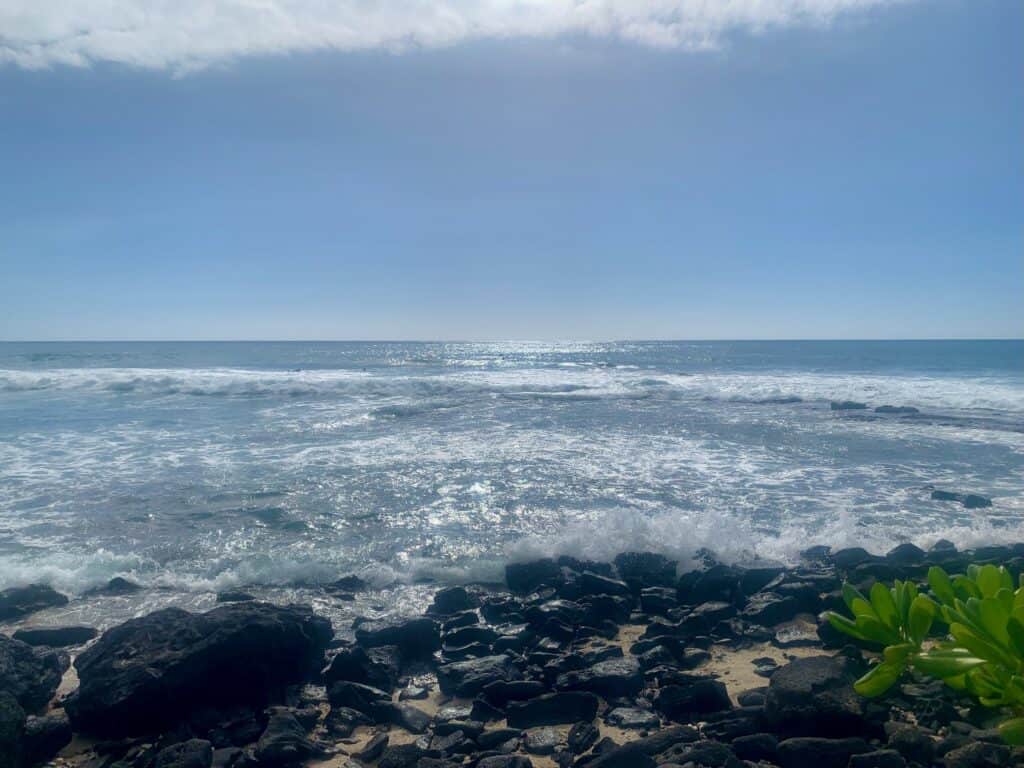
(197, 466)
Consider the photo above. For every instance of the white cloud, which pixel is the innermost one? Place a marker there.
(188, 34)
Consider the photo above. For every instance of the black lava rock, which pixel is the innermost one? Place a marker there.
(151, 671)
(416, 638)
(18, 602)
(814, 696)
(31, 675)
(553, 709)
(812, 752)
(55, 637)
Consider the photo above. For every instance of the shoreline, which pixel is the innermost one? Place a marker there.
(571, 663)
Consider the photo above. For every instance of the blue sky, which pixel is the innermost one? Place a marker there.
(844, 172)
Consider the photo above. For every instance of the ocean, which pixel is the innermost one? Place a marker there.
(277, 467)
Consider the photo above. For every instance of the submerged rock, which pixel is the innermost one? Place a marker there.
(151, 671)
(116, 587)
(17, 602)
(969, 500)
(847, 405)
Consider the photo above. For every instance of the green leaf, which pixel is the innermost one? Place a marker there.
(1012, 730)
(922, 613)
(897, 654)
(845, 626)
(989, 580)
(965, 587)
(939, 581)
(879, 679)
(876, 631)
(851, 593)
(1015, 630)
(980, 647)
(885, 606)
(862, 607)
(945, 665)
(993, 618)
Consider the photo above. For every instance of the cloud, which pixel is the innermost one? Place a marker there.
(188, 34)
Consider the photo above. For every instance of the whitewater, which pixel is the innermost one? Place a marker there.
(279, 466)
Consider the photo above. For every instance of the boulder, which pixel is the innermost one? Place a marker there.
(412, 719)
(646, 569)
(589, 583)
(708, 754)
(847, 405)
(116, 587)
(553, 709)
(55, 637)
(361, 698)
(18, 602)
(501, 692)
(851, 556)
(880, 758)
(12, 724)
(632, 718)
(910, 742)
(978, 754)
(505, 761)
(582, 736)
(44, 737)
(452, 600)
(470, 677)
(194, 753)
(31, 675)
(401, 756)
(283, 742)
(769, 609)
(416, 638)
(968, 500)
(529, 577)
(811, 752)
(611, 678)
(814, 696)
(542, 741)
(719, 583)
(685, 702)
(151, 671)
(627, 756)
(379, 667)
(756, 746)
(906, 554)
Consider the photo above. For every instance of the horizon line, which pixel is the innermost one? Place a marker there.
(504, 340)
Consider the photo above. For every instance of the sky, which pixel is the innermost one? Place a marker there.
(585, 169)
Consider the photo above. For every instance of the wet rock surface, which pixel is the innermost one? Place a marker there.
(579, 664)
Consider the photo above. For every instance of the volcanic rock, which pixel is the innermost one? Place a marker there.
(151, 671)
(18, 602)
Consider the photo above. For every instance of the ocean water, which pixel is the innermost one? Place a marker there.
(274, 467)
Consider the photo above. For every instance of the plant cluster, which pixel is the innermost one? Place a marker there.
(981, 654)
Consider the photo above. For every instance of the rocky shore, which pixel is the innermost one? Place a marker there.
(599, 665)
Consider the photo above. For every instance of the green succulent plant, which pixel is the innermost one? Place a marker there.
(982, 654)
